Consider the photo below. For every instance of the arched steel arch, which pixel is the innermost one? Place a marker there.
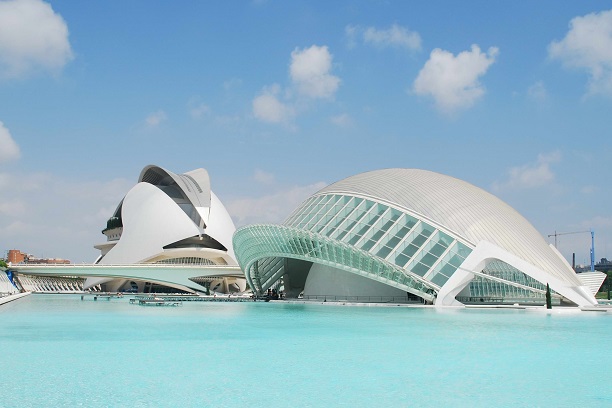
(259, 242)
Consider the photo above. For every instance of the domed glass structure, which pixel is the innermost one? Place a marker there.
(388, 234)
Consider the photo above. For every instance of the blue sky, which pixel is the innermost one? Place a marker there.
(278, 99)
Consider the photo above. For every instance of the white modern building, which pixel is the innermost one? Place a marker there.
(409, 234)
(169, 222)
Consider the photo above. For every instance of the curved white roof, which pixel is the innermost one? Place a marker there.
(159, 211)
(460, 208)
(194, 184)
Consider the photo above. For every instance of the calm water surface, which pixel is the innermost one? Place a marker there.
(57, 350)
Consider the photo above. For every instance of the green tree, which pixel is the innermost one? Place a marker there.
(548, 300)
(3, 264)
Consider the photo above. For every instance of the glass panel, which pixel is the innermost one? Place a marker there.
(300, 213)
(338, 217)
(439, 279)
(463, 251)
(448, 269)
(428, 259)
(361, 229)
(311, 211)
(422, 237)
(321, 210)
(376, 236)
(360, 210)
(444, 240)
(368, 244)
(401, 259)
(392, 243)
(437, 250)
(371, 219)
(420, 269)
(449, 263)
(383, 252)
(410, 221)
(406, 254)
(357, 236)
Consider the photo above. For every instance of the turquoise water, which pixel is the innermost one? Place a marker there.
(57, 350)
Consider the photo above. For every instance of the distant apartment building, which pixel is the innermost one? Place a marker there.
(15, 256)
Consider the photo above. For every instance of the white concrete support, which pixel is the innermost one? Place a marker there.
(486, 252)
(176, 276)
(592, 280)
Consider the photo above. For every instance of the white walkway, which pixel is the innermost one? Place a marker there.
(10, 298)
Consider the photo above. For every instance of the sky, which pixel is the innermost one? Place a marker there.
(278, 99)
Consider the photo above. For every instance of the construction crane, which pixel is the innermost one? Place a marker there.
(556, 234)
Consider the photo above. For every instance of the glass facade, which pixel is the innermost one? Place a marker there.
(482, 289)
(384, 232)
(267, 247)
(375, 240)
(408, 229)
(356, 234)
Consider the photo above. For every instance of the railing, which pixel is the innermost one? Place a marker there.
(361, 299)
(504, 300)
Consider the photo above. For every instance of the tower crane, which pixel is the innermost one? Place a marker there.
(556, 234)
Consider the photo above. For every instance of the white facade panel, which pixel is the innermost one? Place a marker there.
(151, 220)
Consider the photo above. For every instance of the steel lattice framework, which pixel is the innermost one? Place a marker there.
(266, 245)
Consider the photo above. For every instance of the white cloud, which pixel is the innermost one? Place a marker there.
(271, 208)
(537, 92)
(268, 108)
(310, 71)
(588, 45)
(32, 36)
(263, 177)
(351, 33)
(342, 120)
(9, 150)
(394, 36)
(531, 176)
(155, 118)
(199, 110)
(451, 80)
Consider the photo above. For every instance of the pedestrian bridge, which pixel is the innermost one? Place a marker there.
(177, 276)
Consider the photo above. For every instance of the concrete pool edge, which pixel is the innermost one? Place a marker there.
(555, 310)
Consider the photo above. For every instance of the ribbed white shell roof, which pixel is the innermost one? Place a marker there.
(458, 207)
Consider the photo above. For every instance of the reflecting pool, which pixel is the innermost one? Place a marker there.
(57, 350)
